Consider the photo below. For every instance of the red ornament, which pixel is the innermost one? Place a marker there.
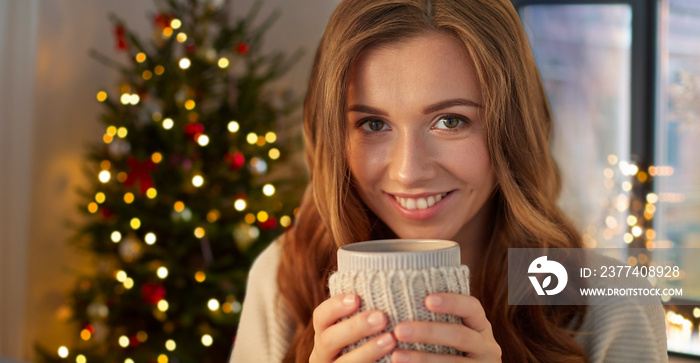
(235, 160)
(134, 341)
(163, 20)
(120, 34)
(105, 213)
(242, 48)
(141, 173)
(90, 328)
(193, 130)
(152, 293)
(190, 48)
(269, 224)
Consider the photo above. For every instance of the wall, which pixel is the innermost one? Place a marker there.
(63, 119)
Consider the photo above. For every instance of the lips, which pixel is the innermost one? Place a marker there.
(419, 203)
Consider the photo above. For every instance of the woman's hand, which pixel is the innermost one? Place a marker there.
(331, 337)
(474, 336)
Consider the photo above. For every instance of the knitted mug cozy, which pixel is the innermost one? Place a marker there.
(395, 276)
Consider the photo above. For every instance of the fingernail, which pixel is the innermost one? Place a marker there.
(349, 300)
(385, 340)
(375, 318)
(404, 331)
(400, 356)
(434, 300)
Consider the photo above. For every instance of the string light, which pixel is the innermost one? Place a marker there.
(213, 216)
(141, 57)
(262, 216)
(85, 334)
(203, 140)
(159, 70)
(123, 341)
(190, 104)
(129, 283)
(170, 345)
(213, 304)
(199, 232)
(652, 198)
(240, 205)
(200, 276)
(197, 181)
(162, 272)
(122, 132)
(100, 197)
(62, 351)
(269, 190)
(628, 238)
(142, 336)
(168, 123)
(181, 37)
(631, 220)
(252, 138)
(125, 99)
(121, 177)
(107, 139)
(236, 307)
(111, 130)
(156, 157)
(274, 154)
(233, 126)
(175, 23)
(612, 159)
(104, 176)
(128, 360)
(250, 218)
(80, 359)
(261, 141)
(223, 62)
(135, 223)
(163, 305)
(636, 231)
(184, 63)
(116, 236)
(128, 197)
(162, 358)
(285, 221)
(157, 116)
(151, 193)
(146, 75)
(207, 340)
(179, 206)
(92, 207)
(134, 99)
(150, 238)
(101, 96)
(270, 137)
(167, 32)
(121, 276)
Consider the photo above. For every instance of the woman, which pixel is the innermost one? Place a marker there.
(424, 119)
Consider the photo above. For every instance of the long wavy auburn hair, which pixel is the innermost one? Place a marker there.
(518, 126)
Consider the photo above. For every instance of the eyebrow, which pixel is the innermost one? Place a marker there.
(429, 109)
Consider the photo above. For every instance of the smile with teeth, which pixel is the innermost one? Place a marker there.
(419, 203)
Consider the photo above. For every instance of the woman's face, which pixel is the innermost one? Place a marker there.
(416, 139)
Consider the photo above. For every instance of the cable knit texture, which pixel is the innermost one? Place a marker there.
(400, 294)
(609, 334)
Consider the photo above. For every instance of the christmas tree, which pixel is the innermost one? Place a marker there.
(187, 187)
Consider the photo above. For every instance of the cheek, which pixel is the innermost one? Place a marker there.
(470, 162)
(366, 162)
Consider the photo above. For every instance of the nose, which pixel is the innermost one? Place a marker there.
(412, 164)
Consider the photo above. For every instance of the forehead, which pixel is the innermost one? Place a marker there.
(433, 63)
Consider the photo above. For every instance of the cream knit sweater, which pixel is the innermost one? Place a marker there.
(619, 333)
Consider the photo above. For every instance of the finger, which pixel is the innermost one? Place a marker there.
(452, 335)
(371, 351)
(334, 308)
(349, 331)
(410, 356)
(466, 307)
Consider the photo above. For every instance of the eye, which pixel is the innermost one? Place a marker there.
(449, 122)
(373, 125)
